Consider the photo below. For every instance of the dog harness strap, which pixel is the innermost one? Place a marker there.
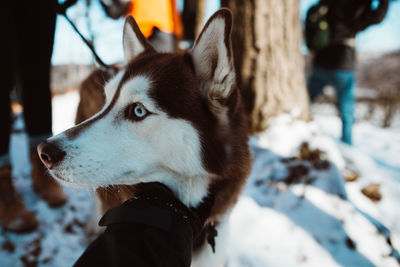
(154, 204)
(211, 234)
(208, 232)
(160, 195)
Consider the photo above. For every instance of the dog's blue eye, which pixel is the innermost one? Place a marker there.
(136, 112)
(139, 110)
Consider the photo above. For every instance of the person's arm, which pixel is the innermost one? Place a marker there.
(373, 16)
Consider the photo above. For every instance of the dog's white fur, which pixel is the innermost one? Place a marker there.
(131, 43)
(114, 150)
(141, 153)
(211, 43)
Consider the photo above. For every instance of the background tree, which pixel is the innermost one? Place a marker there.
(189, 19)
(200, 13)
(266, 41)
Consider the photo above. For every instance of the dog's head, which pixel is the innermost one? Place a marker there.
(168, 117)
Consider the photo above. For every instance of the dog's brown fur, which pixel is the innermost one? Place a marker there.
(92, 96)
(227, 187)
(230, 167)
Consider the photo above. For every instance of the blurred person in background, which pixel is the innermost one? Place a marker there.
(331, 27)
(27, 32)
(158, 20)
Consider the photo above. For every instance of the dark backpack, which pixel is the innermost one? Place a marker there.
(317, 27)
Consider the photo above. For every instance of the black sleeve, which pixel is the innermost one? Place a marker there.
(127, 245)
(140, 233)
(370, 16)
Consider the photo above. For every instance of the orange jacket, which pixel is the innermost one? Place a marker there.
(156, 13)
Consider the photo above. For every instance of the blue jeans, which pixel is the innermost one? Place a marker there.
(344, 83)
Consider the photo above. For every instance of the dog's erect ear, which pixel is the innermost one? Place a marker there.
(212, 56)
(133, 40)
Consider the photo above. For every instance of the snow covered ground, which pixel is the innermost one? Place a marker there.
(319, 220)
(296, 209)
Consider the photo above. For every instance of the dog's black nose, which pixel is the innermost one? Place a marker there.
(50, 154)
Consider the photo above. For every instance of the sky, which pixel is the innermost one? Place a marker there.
(68, 47)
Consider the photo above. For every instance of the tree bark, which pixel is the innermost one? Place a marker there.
(200, 13)
(266, 41)
(189, 19)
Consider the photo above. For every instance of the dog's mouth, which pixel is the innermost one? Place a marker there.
(56, 176)
(84, 177)
(65, 181)
(53, 156)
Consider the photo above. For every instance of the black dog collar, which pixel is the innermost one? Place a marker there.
(155, 204)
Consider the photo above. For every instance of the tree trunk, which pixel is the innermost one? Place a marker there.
(200, 13)
(189, 19)
(266, 41)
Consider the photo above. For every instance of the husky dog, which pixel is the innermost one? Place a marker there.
(173, 118)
